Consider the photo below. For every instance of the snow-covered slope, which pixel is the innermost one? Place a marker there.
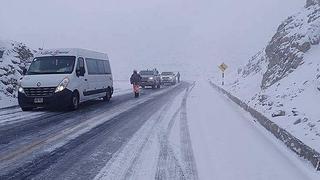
(282, 80)
(14, 57)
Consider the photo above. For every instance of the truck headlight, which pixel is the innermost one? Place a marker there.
(63, 84)
(21, 90)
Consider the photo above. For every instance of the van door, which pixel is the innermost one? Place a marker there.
(82, 75)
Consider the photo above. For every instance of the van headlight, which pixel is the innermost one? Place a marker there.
(63, 84)
(21, 90)
(150, 78)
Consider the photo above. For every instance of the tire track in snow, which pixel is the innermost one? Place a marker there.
(132, 167)
(186, 145)
(168, 166)
(7, 120)
(11, 111)
(128, 157)
(125, 163)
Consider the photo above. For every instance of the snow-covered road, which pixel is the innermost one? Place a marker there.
(229, 144)
(188, 131)
(58, 145)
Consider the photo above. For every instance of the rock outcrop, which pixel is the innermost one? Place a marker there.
(14, 58)
(294, 37)
(285, 52)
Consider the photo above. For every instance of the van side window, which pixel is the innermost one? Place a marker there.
(98, 66)
(107, 67)
(92, 66)
(101, 68)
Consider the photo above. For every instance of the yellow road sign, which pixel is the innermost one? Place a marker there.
(223, 67)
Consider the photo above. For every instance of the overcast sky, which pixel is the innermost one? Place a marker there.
(146, 33)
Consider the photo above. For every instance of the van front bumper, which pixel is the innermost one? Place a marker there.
(60, 99)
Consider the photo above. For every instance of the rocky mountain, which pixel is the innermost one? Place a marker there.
(14, 57)
(285, 52)
(283, 79)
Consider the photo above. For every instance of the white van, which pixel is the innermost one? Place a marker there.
(65, 78)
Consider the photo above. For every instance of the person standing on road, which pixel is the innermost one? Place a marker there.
(178, 76)
(135, 80)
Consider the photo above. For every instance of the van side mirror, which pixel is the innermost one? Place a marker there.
(24, 72)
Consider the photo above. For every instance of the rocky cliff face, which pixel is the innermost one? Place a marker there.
(283, 80)
(285, 52)
(294, 37)
(14, 57)
(312, 2)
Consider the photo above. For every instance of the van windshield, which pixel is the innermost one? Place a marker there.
(52, 65)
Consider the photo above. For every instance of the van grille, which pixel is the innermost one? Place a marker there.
(39, 91)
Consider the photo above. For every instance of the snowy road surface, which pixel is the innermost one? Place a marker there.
(60, 144)
(229, 144)
(188, 131)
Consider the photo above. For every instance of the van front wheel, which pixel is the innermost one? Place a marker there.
(74, 105)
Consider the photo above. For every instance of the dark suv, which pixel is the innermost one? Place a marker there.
(150, 78)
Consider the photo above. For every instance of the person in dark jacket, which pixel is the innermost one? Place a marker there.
(135, 80)
(178, 76)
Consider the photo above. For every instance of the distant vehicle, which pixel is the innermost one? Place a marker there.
(168, 78)
(65, 78)
(150, 78)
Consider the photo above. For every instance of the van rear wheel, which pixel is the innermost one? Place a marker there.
(107, 97)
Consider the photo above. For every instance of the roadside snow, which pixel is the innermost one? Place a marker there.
(121, 87)
(6, 101)
(285, 77)
(228, 145)
(297, 96)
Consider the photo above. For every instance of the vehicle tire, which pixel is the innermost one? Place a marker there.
(74, 104)
(158, 86)
(26, 108)
(108, 96)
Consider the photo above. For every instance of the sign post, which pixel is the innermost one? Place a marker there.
(223, 68)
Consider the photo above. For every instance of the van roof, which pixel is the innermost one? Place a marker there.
(72, 52)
